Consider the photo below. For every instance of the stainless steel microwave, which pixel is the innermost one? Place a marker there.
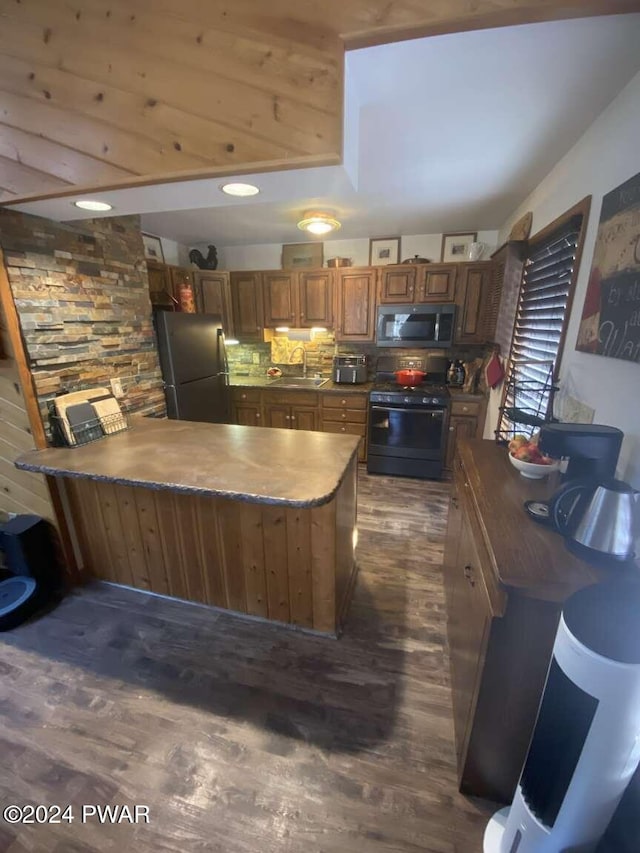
(415, 325)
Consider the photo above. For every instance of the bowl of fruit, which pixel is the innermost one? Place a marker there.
(526, 457)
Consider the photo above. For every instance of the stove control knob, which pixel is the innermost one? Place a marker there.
(425, 399)
(407, 399)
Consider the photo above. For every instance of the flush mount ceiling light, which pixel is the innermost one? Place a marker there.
(317, 222)
(239, 189)
(90, 204)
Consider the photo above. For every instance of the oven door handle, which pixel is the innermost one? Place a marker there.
(416, 409)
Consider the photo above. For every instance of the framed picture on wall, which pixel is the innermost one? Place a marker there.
(610, 323)
(455, 246)
(152, 248)
(384, 250)
(296, 256)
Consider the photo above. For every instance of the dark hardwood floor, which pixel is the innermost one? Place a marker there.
(240, 736)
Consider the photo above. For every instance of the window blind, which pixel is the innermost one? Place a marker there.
(539, 327)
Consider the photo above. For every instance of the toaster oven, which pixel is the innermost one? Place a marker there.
(350, 369)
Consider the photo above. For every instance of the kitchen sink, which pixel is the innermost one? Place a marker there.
(298, 382)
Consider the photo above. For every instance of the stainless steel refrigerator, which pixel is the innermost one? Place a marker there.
(194, 366)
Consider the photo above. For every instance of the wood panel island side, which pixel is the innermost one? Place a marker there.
(259, 521)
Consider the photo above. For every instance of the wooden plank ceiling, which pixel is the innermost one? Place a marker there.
(97, 93)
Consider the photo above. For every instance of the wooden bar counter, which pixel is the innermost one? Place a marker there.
(260, 521)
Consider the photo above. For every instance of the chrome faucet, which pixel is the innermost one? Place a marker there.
(304, 358)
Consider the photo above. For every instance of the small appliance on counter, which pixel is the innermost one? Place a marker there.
(455, 373)
(600, 520)
(597, 514)
(349, 369)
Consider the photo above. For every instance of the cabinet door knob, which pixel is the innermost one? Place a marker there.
(286, 417)
(293, 417)
(465, 408)
(343, 429)
(343, 402)
(452, 429)
(243, 396)
(344, 416)
(258, 416)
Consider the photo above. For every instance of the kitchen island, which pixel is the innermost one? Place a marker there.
(259, 521)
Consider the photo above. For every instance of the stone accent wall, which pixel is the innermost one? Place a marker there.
(82, 294)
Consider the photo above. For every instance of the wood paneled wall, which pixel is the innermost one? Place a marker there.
(98, 93)
(20, 491)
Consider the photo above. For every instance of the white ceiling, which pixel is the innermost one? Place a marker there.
(448, 133)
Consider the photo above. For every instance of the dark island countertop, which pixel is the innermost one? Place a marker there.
(287, 467)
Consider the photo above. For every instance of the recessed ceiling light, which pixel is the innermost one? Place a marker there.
(239, 189)
(317, 222)
(89, 204)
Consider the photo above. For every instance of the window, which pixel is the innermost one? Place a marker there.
(544, 304)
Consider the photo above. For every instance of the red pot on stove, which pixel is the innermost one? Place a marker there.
(409, 377)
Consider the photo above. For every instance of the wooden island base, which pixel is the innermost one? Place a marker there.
(259, 521)
(288, 564)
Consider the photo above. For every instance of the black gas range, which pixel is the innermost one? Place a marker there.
(408, 425)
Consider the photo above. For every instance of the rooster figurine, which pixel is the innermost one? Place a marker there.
(209, 263)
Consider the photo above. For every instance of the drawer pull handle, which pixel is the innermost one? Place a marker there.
(454, 502)
(469, 574)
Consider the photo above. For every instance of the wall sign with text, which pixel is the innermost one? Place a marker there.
(610, 323)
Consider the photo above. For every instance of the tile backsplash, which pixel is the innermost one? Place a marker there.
(256, 359)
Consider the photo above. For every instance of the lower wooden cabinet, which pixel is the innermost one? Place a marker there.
(312, 410)
(290, 409)
(469, 614)
(346, 413)
(505, 581)
(466, 420)
(246, 406)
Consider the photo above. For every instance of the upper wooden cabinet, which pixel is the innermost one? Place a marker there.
(161, 286)
(473, 288)
(213, 296)
(436, 282)
(246, 303)
(356, 304)
(417, 283)
(397, 284)
(280, 295)
(315, 298)
(298, 299)
(164, 284)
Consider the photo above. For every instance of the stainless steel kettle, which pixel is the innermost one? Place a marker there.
(600, 520)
